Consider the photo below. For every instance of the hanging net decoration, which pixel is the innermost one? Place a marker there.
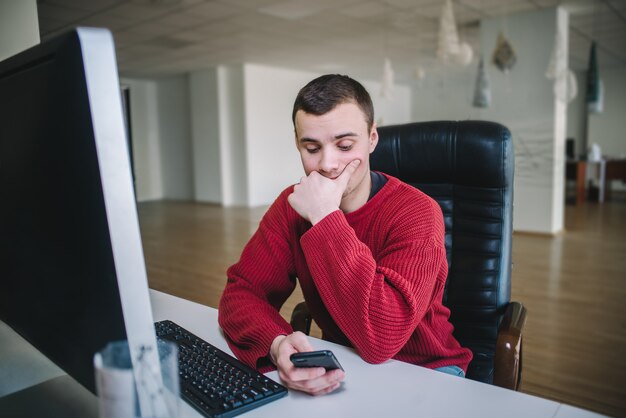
(482, 93)
(465, 55)
(386, 90)
(449, 48)
(503, 55)
(448, 41)
(558, 59)
(565, 83)
(566, 86)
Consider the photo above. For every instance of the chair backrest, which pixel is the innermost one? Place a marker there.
(467, 167)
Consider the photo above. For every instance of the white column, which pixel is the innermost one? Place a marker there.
(218, 134)
(233, 136)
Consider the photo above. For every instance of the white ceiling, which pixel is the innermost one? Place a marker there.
(162, 37)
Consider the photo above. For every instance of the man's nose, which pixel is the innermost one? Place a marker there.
(329, 162)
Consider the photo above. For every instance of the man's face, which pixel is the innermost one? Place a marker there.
(329, 142)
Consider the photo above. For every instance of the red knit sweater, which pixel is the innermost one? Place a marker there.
(373, 279)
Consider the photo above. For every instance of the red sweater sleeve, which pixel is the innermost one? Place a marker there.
(387, 296)
(257, 287)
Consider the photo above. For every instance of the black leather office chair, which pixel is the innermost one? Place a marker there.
(467, 167)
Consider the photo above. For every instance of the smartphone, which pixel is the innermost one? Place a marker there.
(321, 358)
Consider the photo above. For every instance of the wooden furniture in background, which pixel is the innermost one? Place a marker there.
(605, 172)
(615, 170)
(577, 171)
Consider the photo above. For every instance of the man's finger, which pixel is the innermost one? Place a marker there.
(348, 171)
(300, 341)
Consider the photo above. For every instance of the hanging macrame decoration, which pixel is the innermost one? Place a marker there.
(595, 89)
(449, 49)
(482, 93)
(386, 90)
(503, 56)
(565, 83)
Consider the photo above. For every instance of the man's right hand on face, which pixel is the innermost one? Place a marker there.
(317, 196)
(314, 380)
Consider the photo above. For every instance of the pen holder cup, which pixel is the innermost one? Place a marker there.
(144, 392)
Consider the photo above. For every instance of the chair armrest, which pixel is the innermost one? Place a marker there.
(508, 357)
(301, 318)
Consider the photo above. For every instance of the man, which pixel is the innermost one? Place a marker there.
(367, 249)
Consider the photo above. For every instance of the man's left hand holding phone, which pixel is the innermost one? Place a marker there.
(312, 380)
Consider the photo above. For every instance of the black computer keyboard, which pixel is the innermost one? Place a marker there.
(215, 383)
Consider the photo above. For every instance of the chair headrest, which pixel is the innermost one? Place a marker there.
(468, 153)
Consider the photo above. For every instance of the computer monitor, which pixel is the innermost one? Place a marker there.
(72, 272)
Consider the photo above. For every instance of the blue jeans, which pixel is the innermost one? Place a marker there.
(453, 370)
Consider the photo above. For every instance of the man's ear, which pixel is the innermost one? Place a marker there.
(373, 138)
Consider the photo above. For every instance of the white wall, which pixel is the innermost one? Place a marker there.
(446, 93)
(146, 139)
(219, 136)
(173, 106)
(161, 136)
(19, 26)
(522, 100)
(608, 129)
(233, 139)
(392, 111)
(273, 161)
(205, 132)
(577, 113)
(225, 135)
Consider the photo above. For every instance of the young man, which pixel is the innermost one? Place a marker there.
(367, 249)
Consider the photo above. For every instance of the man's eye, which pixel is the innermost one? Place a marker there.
(345, 147)
(312, 150)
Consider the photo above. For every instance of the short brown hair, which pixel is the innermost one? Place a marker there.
(322, 94)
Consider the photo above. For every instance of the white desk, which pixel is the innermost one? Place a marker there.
(392, 389)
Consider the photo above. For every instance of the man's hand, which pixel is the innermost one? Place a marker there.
(317, 196)
(312, 380)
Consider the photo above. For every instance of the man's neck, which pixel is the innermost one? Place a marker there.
(358, 197)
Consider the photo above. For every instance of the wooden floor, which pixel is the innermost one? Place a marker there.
(574, 286)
